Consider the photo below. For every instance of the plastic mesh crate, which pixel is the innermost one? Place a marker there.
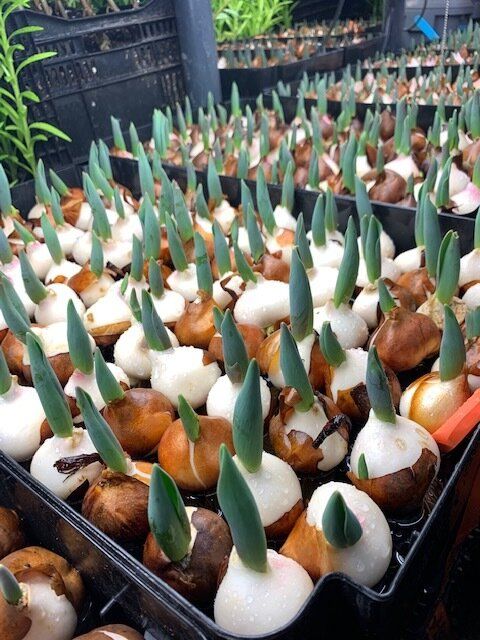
(123, 64)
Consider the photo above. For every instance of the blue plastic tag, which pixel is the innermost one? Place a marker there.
(426, 28)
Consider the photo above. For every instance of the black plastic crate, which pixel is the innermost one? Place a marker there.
(123, 64)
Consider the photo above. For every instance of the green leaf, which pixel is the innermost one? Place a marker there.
(167, 516)
(177, 253)
(331, 211)
(378, 389)
(234, 351)
(155, 279)
(134, 139)
(5, 376)
(5, 195)
(387, 303)
(190, 420)
(348, 271)
(155, 333)
(202, 262)
(78, 341)
(118, 139)
(452, 348)
(9, 587)
(255, 239)
(443, 189)
(448, 267)
(182, 217)
(57, 183)
(41, 187)
(100, 181)
(136, 267)
(101, 225)
(24, 233)
(293, 370)
(340, 525)
(36, 57)
(13, 310)
(147, 184)
(288, 188)
(248, 420)
(6, 254)
(301, 304)
(49, 128)
(432, 236)
(264, 204)
(103, 438)
(222, 252)
(243, 268)
(49, 390)
(215, 192)
(33, 286)
(97, 261)
(241, 513)
(362, 469)
(151, 230)
(118, 202)
(472, 323)
(330, 346)
(201, 205)
(373, 257)
(104, 159)
(364, 206)
(51, 240)
(318, 223)
(109, 387)
(134, 306)
(301, 242)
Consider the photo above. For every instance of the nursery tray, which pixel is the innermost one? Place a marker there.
(363, 50)
(425, 118)
(422, 545)
(250, 82)
(330, 60)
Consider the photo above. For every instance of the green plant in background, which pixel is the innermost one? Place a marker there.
(377, 9)
(18, 134)
(236, 19)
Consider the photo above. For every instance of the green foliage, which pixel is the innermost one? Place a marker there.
(18, 133)
(235, 19)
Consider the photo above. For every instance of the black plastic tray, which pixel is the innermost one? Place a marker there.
(426, 112)
(336, 603)
(103, 64)
(326, 61)
(363, 50)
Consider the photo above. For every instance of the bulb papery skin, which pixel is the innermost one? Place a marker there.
(389, 448)
(349, 327)
(182, 371)
(88, 383)
(264, 484)
(40, 258)
(471, 297)
(170, 306)
(263, 303)
(64, 270)
(284, 219)
(223, 298)
(125, 228)
(387, 246)
(322, 284)
(351, 372)
(224, 214)
(388, 270)
(21, 416)
(469, 268)
(329, 255)
(96, 290)
(250, 603)
(53, 449)
(111, 309)
(118, 253)
(366, 305)
(135, 285)
(276, 244)
(368, 559)
(431, 401)
(53, 308)
(53, 617)
(243, 241)
(223, 395)
(82, 249)
(54, 340)
(467, 200)
(409, 260)
(185, 282)
(13, 272)
(311, 422)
